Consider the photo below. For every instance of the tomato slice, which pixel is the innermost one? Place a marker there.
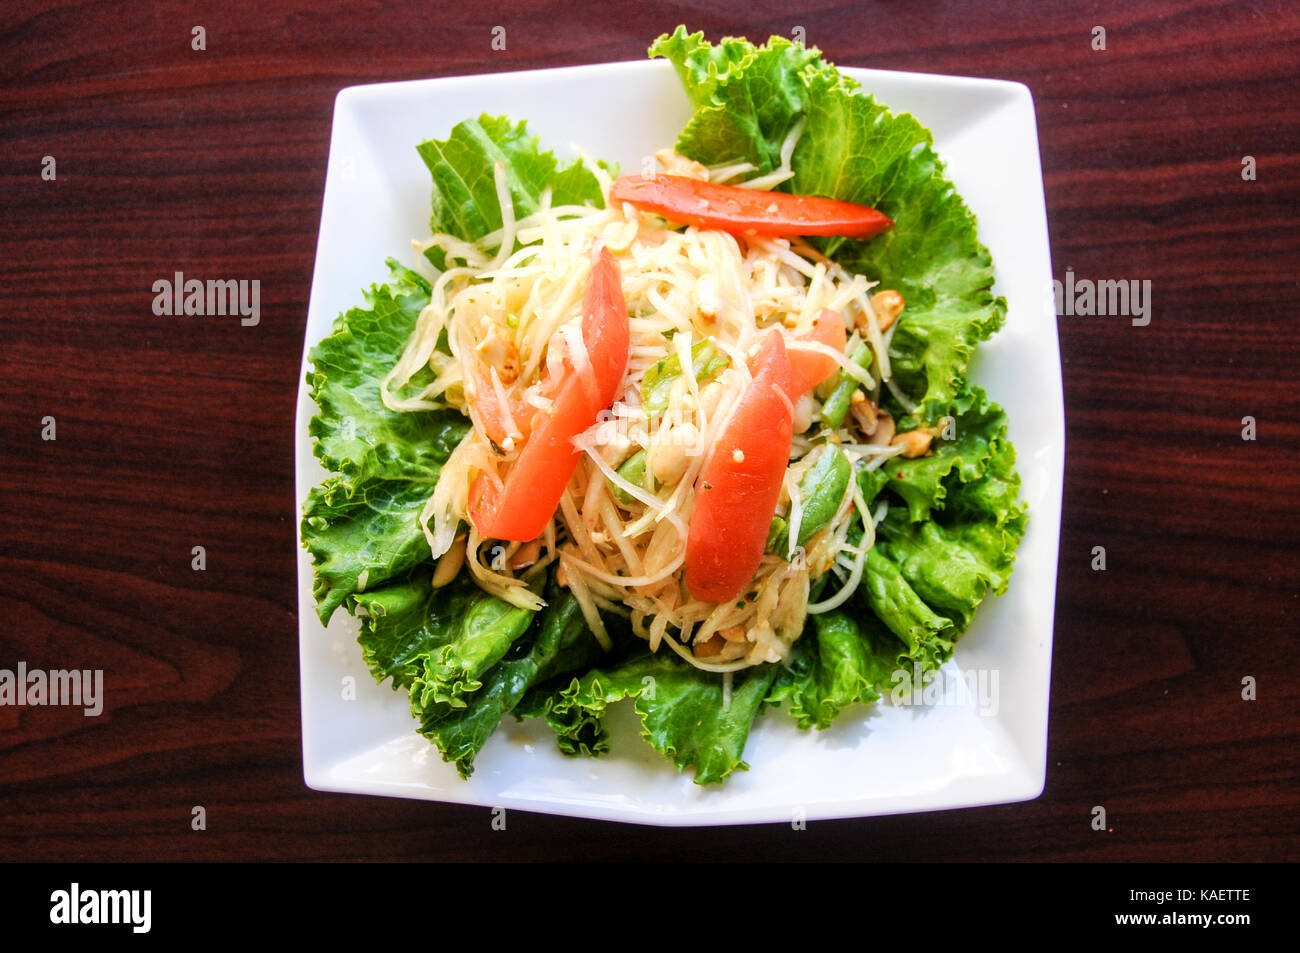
(520, 508)
(605, 329)
(746, 211)
(738, 489)
(491, 413)
(810, 368)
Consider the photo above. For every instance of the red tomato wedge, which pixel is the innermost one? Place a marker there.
(490, 412)
(520, 508)
(737, 492)
(746, 211)
(810, 368)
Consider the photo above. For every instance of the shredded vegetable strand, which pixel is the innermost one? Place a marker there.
(509, 314)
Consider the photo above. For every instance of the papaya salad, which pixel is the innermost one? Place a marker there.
(700, 437)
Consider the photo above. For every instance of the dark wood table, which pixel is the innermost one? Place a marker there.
(174, 433)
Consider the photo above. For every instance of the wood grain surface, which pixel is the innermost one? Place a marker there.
(176, 432)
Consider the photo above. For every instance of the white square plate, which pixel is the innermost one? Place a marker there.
(876, 760)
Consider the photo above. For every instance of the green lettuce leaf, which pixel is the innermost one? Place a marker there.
(436, 643)
(367, 532)
(992, 498)
(681, 710)
(951, 568)
(748, 99)
(968, 549)
(926, 635)
(488, 628)
(832, 667)
(402, 624)
(413, 634)
(355, 434)
(364, 523)
(980, 436)
(857, 150)
(845, 656)
(558, 636)
(934, 561)
(924, 580)
(465, 202)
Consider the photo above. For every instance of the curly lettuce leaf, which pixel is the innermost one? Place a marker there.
(747, 98)
(857, 150)
(360, 535)
(465, 202)
(968, 549)
(847, 658)
(559, 636)
(887, 633)
(747, 101)
(488, 628)
(992, 498)
(355, 434)
(410, 632)
(932, 564)
(436, 643)
(979, 431)
(402, 624)
(926, 635)
(362, 527)
(681, 711)
(951, 568)
(832, 667)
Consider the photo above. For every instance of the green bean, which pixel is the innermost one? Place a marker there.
(658, 382)
(780, 530)
(822, 491)
(837, 404)
(633, 470)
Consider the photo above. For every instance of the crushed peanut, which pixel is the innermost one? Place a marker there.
(915, 443)
(888, 305)
(883, 432)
